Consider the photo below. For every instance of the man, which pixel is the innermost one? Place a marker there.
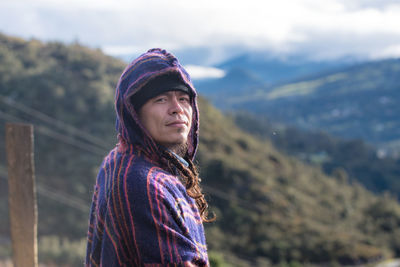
(147, 207)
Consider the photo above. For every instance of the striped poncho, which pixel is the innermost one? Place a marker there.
(141, 214)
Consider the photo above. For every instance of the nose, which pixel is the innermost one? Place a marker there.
(176, 106)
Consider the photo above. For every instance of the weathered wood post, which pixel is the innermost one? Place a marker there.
(22, 194)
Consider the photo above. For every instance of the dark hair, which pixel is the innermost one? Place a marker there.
(190, 177)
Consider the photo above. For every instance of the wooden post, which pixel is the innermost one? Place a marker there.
(22, 194)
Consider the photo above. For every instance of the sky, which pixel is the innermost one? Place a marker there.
(209, 31)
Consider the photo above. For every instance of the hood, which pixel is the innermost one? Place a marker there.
(153, 63)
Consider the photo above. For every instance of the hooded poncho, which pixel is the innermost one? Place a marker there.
(141, 214)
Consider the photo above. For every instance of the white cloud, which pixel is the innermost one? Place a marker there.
(201, 72)
(388, 52)
(339, 26)
(118, 50)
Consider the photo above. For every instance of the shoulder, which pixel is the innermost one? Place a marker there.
(141, 169)
(143, 176)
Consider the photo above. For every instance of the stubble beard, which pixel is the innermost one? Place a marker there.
(180, 149)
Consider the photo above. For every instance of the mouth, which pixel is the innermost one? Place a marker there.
(177, 123)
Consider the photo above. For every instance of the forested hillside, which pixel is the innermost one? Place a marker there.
(271, 208)
(361, 161)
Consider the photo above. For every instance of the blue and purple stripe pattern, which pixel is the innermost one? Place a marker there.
(141, 214)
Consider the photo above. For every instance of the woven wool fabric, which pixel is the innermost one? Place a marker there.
(141, 214)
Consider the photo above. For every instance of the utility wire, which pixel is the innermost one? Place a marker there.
(56, 195)
(82, 206)
(66, 139)
(59, 124)
(64, 198)
(78, 204)
(97, 151)
(60, 137)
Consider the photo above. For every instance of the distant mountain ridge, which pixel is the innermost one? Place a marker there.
(273, 68)
(358, 101)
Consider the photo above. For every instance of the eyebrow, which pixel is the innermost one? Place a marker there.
(179, 92)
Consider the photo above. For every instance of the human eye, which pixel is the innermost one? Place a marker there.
(160, 99)
(185, 98)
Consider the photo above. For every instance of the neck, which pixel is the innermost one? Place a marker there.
(181, 159)
(178, 149)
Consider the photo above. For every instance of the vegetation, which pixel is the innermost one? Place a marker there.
(360, 161)
(272, 208)
(359, 101)
(285, 211)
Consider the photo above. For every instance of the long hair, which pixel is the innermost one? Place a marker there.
(190, 177)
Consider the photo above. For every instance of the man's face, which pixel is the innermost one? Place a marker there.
(168, 118)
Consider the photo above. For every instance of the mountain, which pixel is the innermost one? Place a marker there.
(357, 158)
(359, 101)
(237, 79)
(273, 68)
(282, 209)
(250, 73)
(272, 208)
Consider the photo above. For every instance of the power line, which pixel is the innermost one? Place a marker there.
(66, 139)
(98, 151)
(58, 123)
(79, 204)
(55, 135)
(56, 195)
(64, 198)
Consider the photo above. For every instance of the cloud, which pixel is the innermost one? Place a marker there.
(338, 26)
(201, 72)
(388, 52)
(118, 50)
